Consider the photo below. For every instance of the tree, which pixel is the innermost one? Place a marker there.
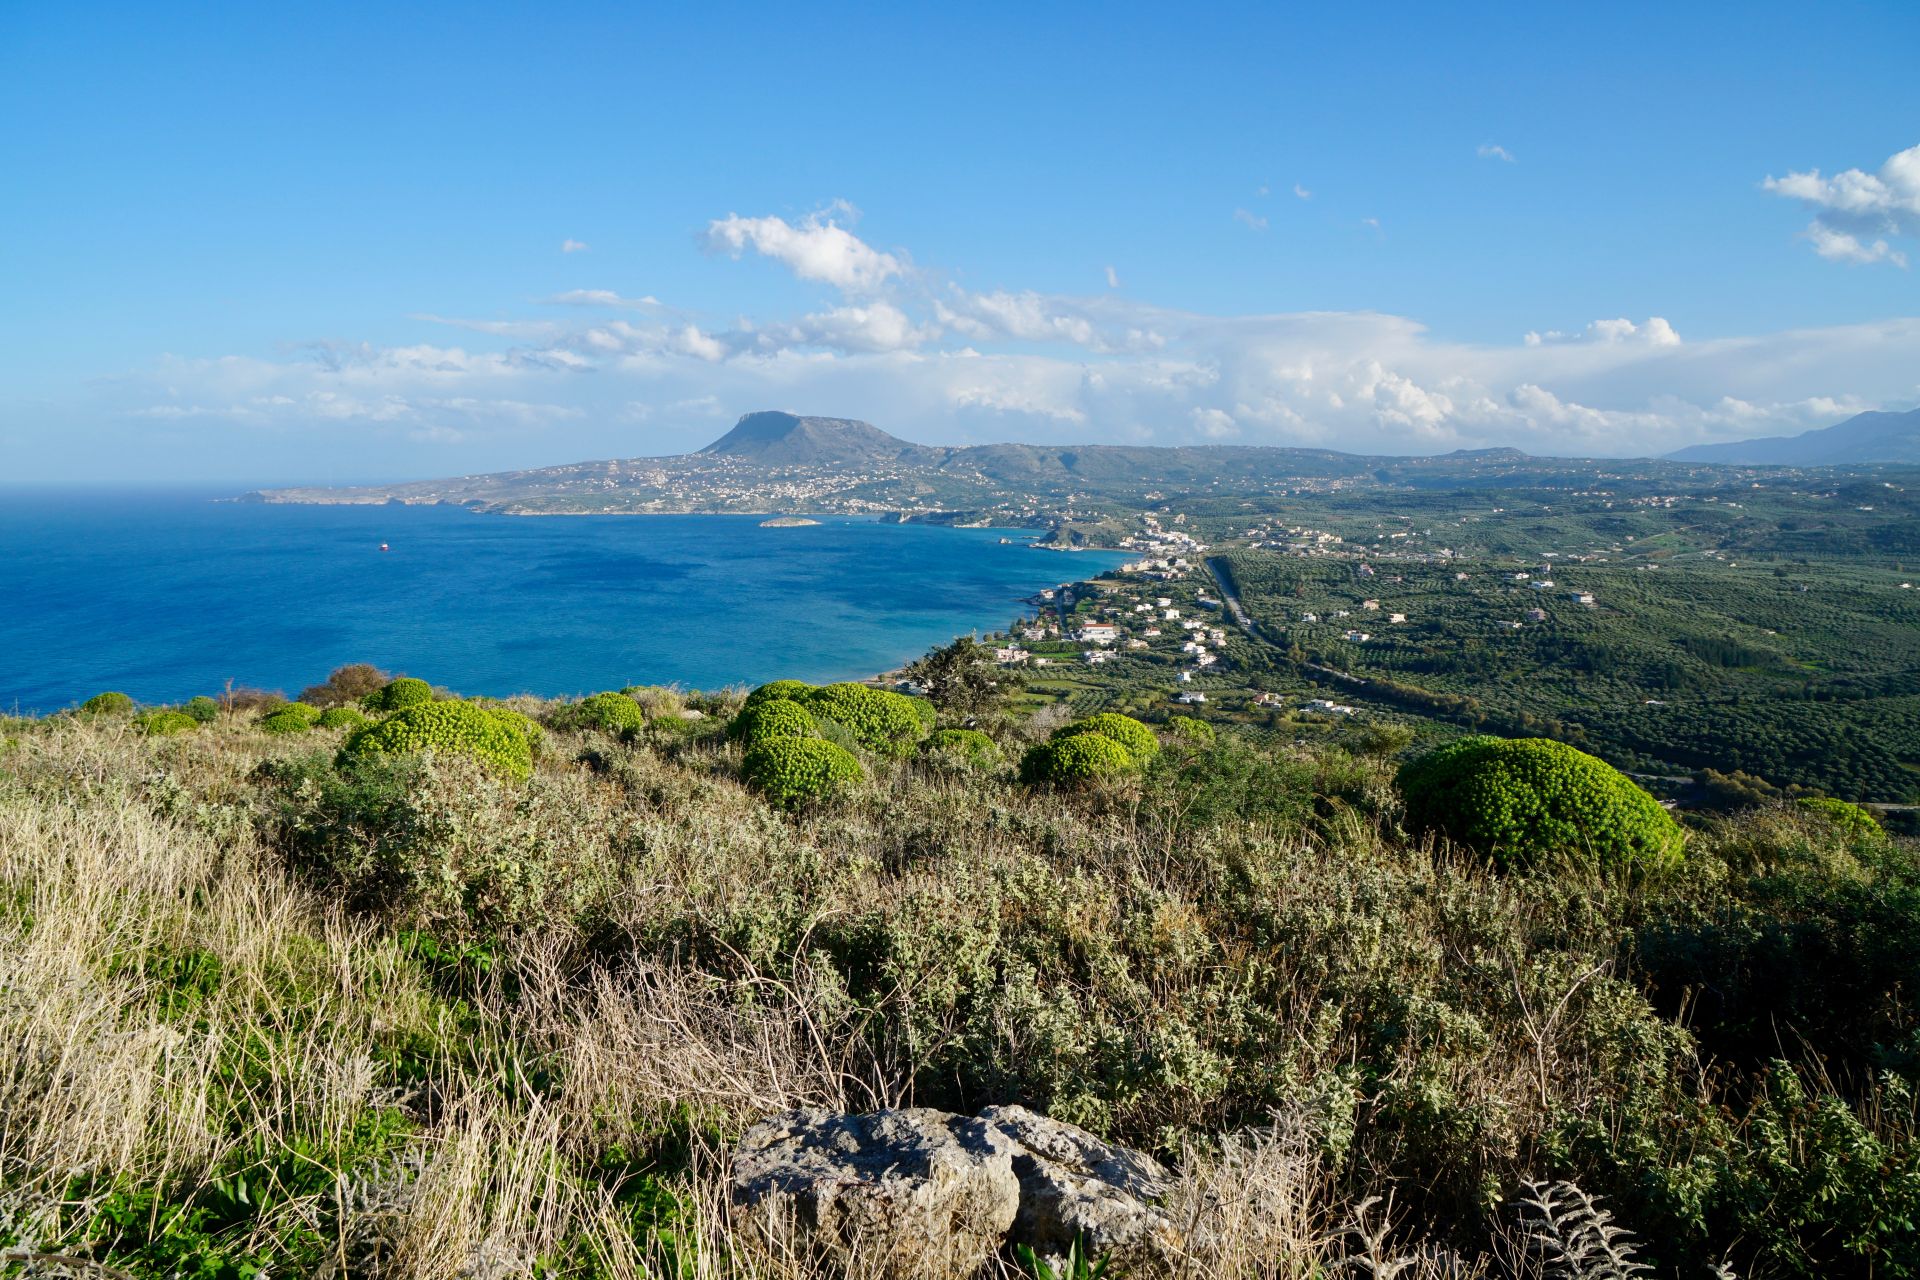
(963, 680)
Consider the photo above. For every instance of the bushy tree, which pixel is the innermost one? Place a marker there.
(1515, 800)
(968, 747)
(1136, 737)
(878, 719)
(963, 680)
(341, 718)
(397, 695)
(110, 703)
(161, 724)
(796, 771)
(346, 684)
(202, 708)
(1076, 760)
(774, 718)
(495, 736)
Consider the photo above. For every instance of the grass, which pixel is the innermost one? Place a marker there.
(261, 1016)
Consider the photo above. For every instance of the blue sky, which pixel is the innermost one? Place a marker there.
(247, 243)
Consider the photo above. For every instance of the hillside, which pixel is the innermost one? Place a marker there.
(275, 1007)
(1864, 439)
(772, 438)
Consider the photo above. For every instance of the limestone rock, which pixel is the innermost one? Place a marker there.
(1074, 1186)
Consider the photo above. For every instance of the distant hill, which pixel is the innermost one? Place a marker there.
(1863, 439)
(787, 439)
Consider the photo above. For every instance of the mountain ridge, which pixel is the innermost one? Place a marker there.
(1874, 437)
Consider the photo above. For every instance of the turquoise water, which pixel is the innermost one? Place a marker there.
(167, 596)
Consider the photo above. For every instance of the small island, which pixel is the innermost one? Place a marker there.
(787, 522)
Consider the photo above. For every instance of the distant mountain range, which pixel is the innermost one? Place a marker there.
(1864, 439)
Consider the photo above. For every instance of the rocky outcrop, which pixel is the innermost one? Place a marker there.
(928, 1193)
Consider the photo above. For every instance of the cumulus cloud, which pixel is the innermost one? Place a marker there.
(1493, 151)
(943, 362)
(816, 248)
(1855, 211)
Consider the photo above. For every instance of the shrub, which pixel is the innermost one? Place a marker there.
(1125, 730)
(968, 747)
(161, 724)
(340, 717)
(1191, 732)
(494, 736)
(614, 713)
(879, 720)
(1854, 822)
(774, 718)
(295, 717)
(796, 771)
(111, 703)
(398, 695)
(203, 709)
(1514, 800)
(351, 683)
(1076, 760)
(795, 689)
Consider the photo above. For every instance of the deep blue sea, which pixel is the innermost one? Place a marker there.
(165, 596)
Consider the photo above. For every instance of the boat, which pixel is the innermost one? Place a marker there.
(383, 546)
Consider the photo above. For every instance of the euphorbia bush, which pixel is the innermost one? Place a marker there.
(795, 771)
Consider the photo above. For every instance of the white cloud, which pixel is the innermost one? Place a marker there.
(1656, 332)
(1855, 210)
(573, 246)
(1248, 218)
(816, 248)
(1301, 192)
(1493, 151)
(1373, 223)
(601, 298)
(1113, 278)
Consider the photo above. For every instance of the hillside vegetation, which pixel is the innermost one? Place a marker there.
(488, 993)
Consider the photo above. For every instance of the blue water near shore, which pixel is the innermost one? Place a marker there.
(165, 596)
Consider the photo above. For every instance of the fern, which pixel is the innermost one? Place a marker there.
(1573, 1237)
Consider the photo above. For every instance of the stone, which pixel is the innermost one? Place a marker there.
(928, 1193)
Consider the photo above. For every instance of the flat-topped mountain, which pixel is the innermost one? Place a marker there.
(1862, 440)
(788, 439)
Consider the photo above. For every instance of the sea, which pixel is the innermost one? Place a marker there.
(167, 595)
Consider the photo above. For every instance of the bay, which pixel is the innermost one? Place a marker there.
(167, 595)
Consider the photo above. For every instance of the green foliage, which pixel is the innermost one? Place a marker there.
(1851, 819)
(1079, 1264)
(496, 737)
(351, 683)
(1518, 800)
(614, 713)
(963, 680)
(966, 747)
(1228, 781)
(111, 703)
(203, 709)
(341, 718)
(792, 772)
(880, 720)
(1076, 760)
(1191, 732)
(293, 717)
(164, 723)
(773, 718)
(794, 689)
(397, 695)
(1136, 737)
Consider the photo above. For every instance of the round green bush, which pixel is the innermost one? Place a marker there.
(928, 713)
(607, 712)
(1076, 760)
(398, 695)
(340, 718)
(965, 746)
(1852, 821)
(795, 771)
(1192, 732)
(494, 736)
(203, 709)
(162, 724)
(1125, 730)
(111, 703)
(294, 717)
(774, 718)
(796, 689)
(1514, 800)
(878, 719)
